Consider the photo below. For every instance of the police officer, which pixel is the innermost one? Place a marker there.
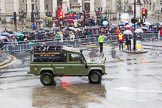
(101, 41)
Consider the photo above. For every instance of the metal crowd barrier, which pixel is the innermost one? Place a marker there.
(2, 52)
(13, 47)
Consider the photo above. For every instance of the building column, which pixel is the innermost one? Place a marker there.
(42, 8)
(113, 6)
(54, 4)
(68, 3)
(92, 11)
(80, 2)
(29, 8)
(3, 11)
(103, 5)
(16, 6)
(3, 6)
(64, 6)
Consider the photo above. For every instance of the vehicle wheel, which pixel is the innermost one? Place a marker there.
(47, 79)
(95, 77)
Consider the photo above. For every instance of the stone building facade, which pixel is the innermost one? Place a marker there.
(7, 7)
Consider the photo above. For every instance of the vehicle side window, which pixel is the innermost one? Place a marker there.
(63, 56)
(74, 57)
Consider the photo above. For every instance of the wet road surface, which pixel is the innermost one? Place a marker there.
(135, 82)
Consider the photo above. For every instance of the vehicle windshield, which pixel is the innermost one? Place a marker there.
(90, 53)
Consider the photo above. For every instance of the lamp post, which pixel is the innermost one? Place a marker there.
(119, 8)
(134, 35)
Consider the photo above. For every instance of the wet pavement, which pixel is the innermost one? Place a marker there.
(134, 82)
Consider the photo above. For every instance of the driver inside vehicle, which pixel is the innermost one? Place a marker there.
(74, 57)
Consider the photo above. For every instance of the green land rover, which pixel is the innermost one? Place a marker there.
(52, 61)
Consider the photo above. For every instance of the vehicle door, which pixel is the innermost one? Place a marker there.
(76, 65)
(59, 64)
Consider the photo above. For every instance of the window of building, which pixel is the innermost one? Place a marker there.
(46, 7)
(74, 1)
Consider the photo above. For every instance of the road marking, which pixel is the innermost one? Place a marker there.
(97, 46)
(106, 46)
(129, 89)
(134, 99)
(17, 69)
(10, 63)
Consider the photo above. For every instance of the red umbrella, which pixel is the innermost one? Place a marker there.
(69, 20)
(55, 20)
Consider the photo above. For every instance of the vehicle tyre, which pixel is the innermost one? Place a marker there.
(47, 79)
(95, 77)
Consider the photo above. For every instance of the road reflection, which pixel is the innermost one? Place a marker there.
(68, 96)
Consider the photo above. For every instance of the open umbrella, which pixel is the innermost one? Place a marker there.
(145, 28)
(25, 32)
(105, 23)
(12, 35)
(19, 35)
(69, 20)
(124, 22)
(128, 26)
(113, 25)
(147, 23)
(72, 28)
(45, 29)
(138, 30)
(70, 10)
(3, 37)
(55, 28)
(128, 32)
(5, 34)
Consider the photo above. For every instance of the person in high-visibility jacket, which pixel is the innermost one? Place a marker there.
(120, 38)
(101, 41)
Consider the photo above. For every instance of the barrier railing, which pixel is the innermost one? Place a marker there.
(14, 47)
(2, 52)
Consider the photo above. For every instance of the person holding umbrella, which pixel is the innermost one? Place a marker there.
(128, 38)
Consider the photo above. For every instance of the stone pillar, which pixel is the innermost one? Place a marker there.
(103, 5)
(54, 4)
(138, 11)
(29, 9)
(80, 2)
(92, 11)
(68, 3)
(113, 6)
(64, 6)
(3, 11)
(42, 8)
(16, 6)
(3, 6)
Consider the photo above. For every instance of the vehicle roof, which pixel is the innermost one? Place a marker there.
(71, 49)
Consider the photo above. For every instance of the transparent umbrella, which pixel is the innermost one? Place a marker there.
(138, 30)
(147, 23)
(128, 32)
(5, 34)
(105, 23)
(145, 28)
(3, 37)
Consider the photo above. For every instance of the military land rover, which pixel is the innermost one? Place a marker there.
(52, 61)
